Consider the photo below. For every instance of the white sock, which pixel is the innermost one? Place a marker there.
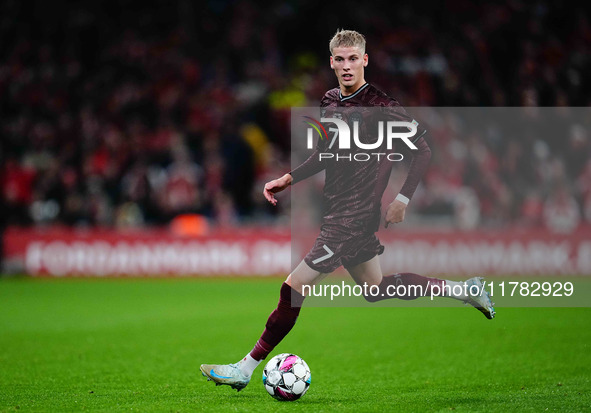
(455, 289)
(248, 364)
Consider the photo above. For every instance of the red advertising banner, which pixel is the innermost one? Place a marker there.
(66, 252)
(502, 252)
(264, 251)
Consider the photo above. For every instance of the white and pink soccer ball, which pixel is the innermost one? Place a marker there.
(287, 377)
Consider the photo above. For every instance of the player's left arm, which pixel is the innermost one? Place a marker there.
(418, 167)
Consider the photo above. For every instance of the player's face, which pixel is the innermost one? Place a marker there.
(348, 64)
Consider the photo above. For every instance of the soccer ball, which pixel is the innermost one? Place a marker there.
(287, 377)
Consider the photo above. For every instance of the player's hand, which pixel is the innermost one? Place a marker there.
(395, 212)
(274, 186)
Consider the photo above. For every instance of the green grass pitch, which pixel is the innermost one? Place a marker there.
(136, 345)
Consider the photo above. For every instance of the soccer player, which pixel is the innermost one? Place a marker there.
(352, 197)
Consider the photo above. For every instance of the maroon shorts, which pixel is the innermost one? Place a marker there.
(332, 249)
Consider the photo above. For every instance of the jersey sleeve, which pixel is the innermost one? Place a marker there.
(396, 112)
(418, 167)
(312, 165)
(420, 157)
(309, 167)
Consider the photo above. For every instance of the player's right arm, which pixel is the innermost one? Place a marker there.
(309, 167)
(276, 185)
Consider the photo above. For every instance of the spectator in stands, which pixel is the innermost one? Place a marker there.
(92, 109)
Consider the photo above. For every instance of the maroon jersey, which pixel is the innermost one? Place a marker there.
(353, 188)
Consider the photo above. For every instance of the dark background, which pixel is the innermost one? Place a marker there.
(128, 113)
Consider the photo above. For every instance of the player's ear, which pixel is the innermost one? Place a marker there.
(331, 63)
(365, 60)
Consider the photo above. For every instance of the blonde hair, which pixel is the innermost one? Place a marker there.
(347, 38)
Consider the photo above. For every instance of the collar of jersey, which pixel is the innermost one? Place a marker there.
(354, 94)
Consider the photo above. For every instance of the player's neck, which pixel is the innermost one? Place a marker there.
(348, 91)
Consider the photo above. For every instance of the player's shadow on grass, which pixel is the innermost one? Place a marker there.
(327, 400)
(308, 399)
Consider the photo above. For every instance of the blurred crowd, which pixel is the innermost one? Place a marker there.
(124, 113)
